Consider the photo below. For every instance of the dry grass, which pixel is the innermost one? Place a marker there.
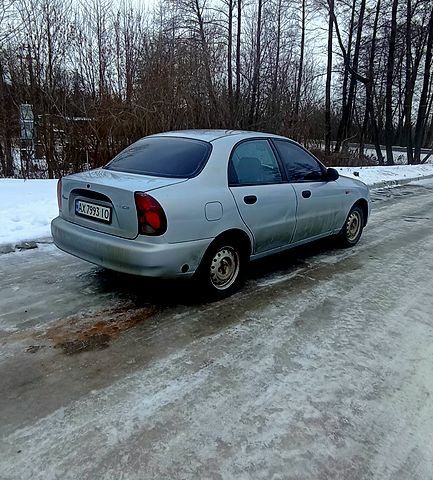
(344, 159)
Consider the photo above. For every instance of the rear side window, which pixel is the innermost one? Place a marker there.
(253, 163)
(163, 157)
(299, 164)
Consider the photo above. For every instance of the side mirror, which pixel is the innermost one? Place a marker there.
(331, 174)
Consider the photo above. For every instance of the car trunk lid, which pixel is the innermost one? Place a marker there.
(110, 189)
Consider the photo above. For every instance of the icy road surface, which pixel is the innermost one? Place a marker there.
(320, 368)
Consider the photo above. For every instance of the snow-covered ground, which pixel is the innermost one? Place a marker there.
(28, 206)
(26, 209)
(376, 175)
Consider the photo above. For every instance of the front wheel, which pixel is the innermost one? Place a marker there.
(352, 229)
(222, 269)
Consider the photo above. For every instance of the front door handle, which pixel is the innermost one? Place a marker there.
(250, 199)
(306, 193)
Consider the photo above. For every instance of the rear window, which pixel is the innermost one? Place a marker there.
(163, 157)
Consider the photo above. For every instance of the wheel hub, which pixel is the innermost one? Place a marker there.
(224, 268)
(353, 226)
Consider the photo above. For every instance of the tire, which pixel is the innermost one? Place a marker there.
(221, 272)
(352, 228)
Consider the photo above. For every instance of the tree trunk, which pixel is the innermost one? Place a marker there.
(407, 128)
(328, 130)
(347, 113)
(421, 120)
(256, 70)
(206, 59)
(238, 63)
(274, 100)
(229, 58)
(389, 130)
(301, 64)
(5, 130)
(341, 125)
(369, 86)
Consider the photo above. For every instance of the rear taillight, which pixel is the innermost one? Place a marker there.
(59, 193)
(150, 215)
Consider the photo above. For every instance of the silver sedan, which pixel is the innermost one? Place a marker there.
(203, 203)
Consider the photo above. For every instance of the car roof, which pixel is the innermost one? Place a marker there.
(213, 134)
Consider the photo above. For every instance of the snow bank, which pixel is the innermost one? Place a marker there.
(28, 206)
(377, 175)
(26, 209)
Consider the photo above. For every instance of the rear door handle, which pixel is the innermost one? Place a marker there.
(306, 193)
(250, 199)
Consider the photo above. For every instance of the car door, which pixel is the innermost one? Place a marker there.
(266, 204)
(319, 201)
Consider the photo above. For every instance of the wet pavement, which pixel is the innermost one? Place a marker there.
(320, 367)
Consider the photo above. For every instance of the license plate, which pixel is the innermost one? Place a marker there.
(98, 212)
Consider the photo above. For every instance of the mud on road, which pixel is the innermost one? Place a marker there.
(319, 368)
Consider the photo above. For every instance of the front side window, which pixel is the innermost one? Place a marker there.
(172, 157)
(300, 165)
(253, 163)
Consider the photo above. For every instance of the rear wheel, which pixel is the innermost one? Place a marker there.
(352, 229)
(221, 271)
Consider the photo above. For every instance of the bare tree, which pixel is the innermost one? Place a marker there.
(328, 127)
(99, 76)
(256, 66)
(421, 121)
(389, 129)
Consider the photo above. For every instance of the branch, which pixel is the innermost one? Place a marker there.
(358, 77)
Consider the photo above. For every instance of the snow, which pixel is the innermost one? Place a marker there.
(374, 176)
(28, 206)
(26, 209)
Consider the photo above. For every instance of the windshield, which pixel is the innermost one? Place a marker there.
(172, 157)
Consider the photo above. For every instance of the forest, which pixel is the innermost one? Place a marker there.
(97, 75)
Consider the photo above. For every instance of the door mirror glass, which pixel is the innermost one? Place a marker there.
(331, 174)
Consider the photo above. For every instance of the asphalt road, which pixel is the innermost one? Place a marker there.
(320, 368)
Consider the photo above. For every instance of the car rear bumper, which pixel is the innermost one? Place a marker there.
(140, 256)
